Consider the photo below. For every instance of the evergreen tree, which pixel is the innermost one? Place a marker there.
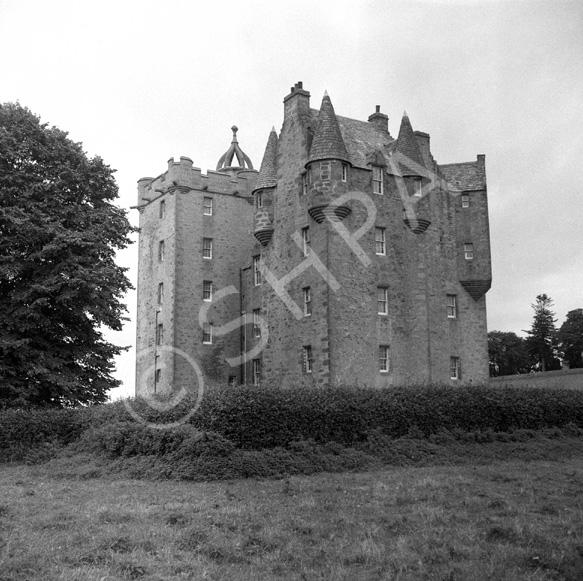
(59, 284)
(571, 338)
(542, 340)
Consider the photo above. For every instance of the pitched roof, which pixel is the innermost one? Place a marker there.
(407, 158)
(466, 176)
(328, 142)
(267, 177)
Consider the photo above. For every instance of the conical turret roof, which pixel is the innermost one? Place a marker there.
(267, 177)
(407, 153)
(226, 161)
(328, 142)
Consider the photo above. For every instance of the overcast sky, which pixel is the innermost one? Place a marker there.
(140, 81)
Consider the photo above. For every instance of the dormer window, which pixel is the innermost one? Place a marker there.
(377, 180)
(259, 199)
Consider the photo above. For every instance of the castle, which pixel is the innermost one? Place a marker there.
(351, 257)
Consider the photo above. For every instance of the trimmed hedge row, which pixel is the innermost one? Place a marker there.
(259, 418)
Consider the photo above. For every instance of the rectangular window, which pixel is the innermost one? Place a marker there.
(377, 179)
(469, 251)
(256, 371)
(161, 251)
(160, 293)
(307, 301)
(344, 172)
(159, 334)
(256, 325)
(207, 248)
(304, 184)
(162, 209)
(232, 380)
(384, 361)
(455, 369)
(256, 271)
(306, 241)
(465, 200)
(259, 199)
(158, 375)
(380, 242)
(308, 359)
(207, 333)
(382, 300)
(207, 209)
(418, 188)
(452, 306)
(207, 290)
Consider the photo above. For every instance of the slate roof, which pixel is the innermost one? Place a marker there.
(409, 160)
(465, 176)
(328, 142)
(267, 177)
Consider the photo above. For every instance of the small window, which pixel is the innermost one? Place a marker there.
(256, 271)
(380, 241)
(207, 206)
(377, 179)
(452, 306)
(465, 200)
(256, 371)
(159, 334)
(207, 290)
(307, 301)
(344, 172)
(207, 248)
(161, 251)
(305, 184)
(382, 300)
(469, 251)
(256, 324)
(160, 293)
(306, 241)
(232, 380)
(418, 188)
(259, 199)
(158, 375)
(384, 361)
(455, 369)
(207, 333)
(308, 359)
(162, 209)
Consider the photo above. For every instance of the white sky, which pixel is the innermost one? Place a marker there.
(140, 81)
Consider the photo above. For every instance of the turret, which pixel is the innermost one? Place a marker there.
(264, 192)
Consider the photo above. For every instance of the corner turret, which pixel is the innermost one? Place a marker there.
(264, 192)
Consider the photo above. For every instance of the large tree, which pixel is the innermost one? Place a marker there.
(571, 338)
(507, 353)
(59, 283)
(542, 337)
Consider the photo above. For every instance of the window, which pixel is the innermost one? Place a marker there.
(259, 199)
(377, 179)
(304, 184)
(158, 375)
(232, 380)
(207, 209)
(160, 293)
(161, 251)
(207, 290)
(207, 248)
(207, 333)
(452, 306)
(380, 242)
(454, 368)
(344, 172)
(382, 300)
(384, 361)
(307, 301)
(465, 200)
(159, 334)
(256, 271)
(256, 325)
(306, 241)
(469, 251)
(418, 188)
(308, 359)
(256, 371)
(162, 209)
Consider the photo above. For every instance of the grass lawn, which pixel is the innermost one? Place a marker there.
(510, 520)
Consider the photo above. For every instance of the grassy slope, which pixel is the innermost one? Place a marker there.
(511, 521)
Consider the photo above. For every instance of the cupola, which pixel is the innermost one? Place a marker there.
(226, 162)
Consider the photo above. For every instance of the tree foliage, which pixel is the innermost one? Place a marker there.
(59, 284)
(571, 338)
(507, 354)
(542, 342)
